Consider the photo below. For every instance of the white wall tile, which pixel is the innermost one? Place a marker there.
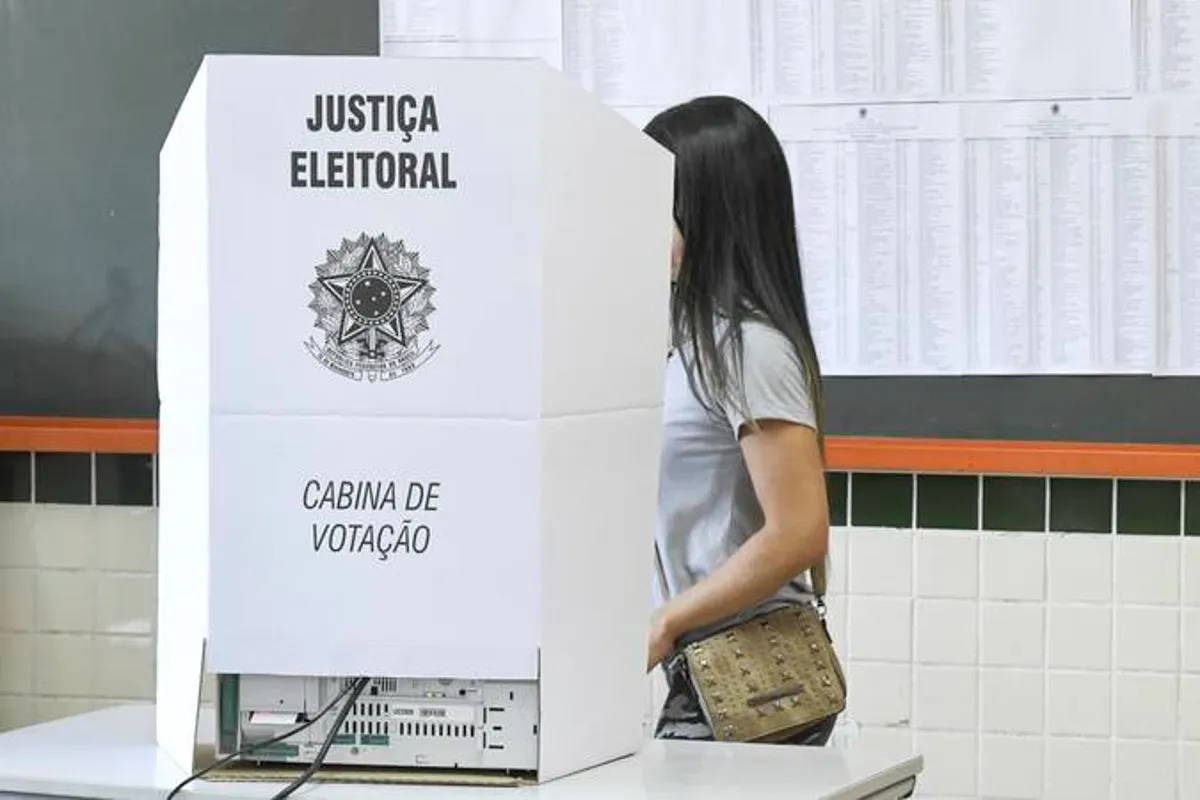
(66, 601)
(125, 604)
(1145, 770)
(130, 537)
(947, 564)
(880, 628)
(946, 631)
(1189, 707)
(1145, 706)
(123, 667)
(1191, 570)
(946, 698)
(1012, 634)
(881, 562)
(16, 535)
(16, 599)
(16, 663)
(1147, 639)
(1079, 567)
(1011, 767)
(63, 664)
(1189, 785)
(1080, 636)
(1079, 703)
(879, 694)
(1012, 701)
(950, 764)
(65, 537)
(1191, 640)
(16, 711)
(837, 622)
(1014, 566)
(837, 569)
(887, 742)
(1147, 569)
(1077, 769)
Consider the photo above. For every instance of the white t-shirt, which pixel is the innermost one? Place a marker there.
(707, 506)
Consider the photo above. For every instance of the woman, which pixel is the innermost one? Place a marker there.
(742, 509)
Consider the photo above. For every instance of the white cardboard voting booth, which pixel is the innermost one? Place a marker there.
(412, 327)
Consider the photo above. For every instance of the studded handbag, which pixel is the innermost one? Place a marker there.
(769, 678)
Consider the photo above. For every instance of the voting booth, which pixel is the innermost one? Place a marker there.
(411, 333)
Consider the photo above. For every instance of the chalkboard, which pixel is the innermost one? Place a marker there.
(88, 91)
(1137, 409)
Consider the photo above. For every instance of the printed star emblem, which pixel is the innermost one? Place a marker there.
(372, 297)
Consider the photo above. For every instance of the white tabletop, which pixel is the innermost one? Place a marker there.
(111, 754)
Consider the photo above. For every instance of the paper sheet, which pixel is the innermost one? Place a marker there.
(658, 52)
(877, 211)
(1166, 37)
(844, 48)
(1041, 48)
(1177, 124)
(923, 49)
(1061, 236)
(473, 28)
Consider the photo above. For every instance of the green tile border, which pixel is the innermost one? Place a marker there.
(1008, 503)
(881, 499)
(837, 486)
(1191, 508)
(1081, 505)
(1014, 503)
(877, 499)
(1149, 507)
(948, 502)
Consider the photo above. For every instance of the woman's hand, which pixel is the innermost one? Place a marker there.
(661, 641)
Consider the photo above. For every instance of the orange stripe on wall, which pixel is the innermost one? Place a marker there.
(845, 453)
(64, 435)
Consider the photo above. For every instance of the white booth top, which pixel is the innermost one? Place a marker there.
(111, 754)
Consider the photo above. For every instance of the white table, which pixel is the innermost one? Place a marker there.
(111, 754)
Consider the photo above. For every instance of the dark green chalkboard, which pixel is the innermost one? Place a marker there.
(1079, 409)
(88, 91)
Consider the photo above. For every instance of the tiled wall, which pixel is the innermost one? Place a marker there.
(77, 583)
(1033, 638)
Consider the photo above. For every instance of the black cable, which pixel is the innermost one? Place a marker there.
(319, 759)
(281, 737)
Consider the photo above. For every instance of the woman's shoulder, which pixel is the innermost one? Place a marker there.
(764, 345)
(771, 378)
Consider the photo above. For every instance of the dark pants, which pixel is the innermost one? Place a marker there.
(682, 717)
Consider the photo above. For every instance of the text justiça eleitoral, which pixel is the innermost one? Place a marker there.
(405, 115)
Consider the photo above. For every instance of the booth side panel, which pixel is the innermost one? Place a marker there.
(599, 495)
(606, 256)
(183, 376)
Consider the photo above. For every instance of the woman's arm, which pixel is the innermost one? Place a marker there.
(788, 474)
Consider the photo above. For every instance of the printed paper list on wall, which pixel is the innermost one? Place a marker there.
(877, 199)
(1060, 216)
(982, 186)
(1178, 125)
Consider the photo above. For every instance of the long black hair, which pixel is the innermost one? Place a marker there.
(741, 258)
